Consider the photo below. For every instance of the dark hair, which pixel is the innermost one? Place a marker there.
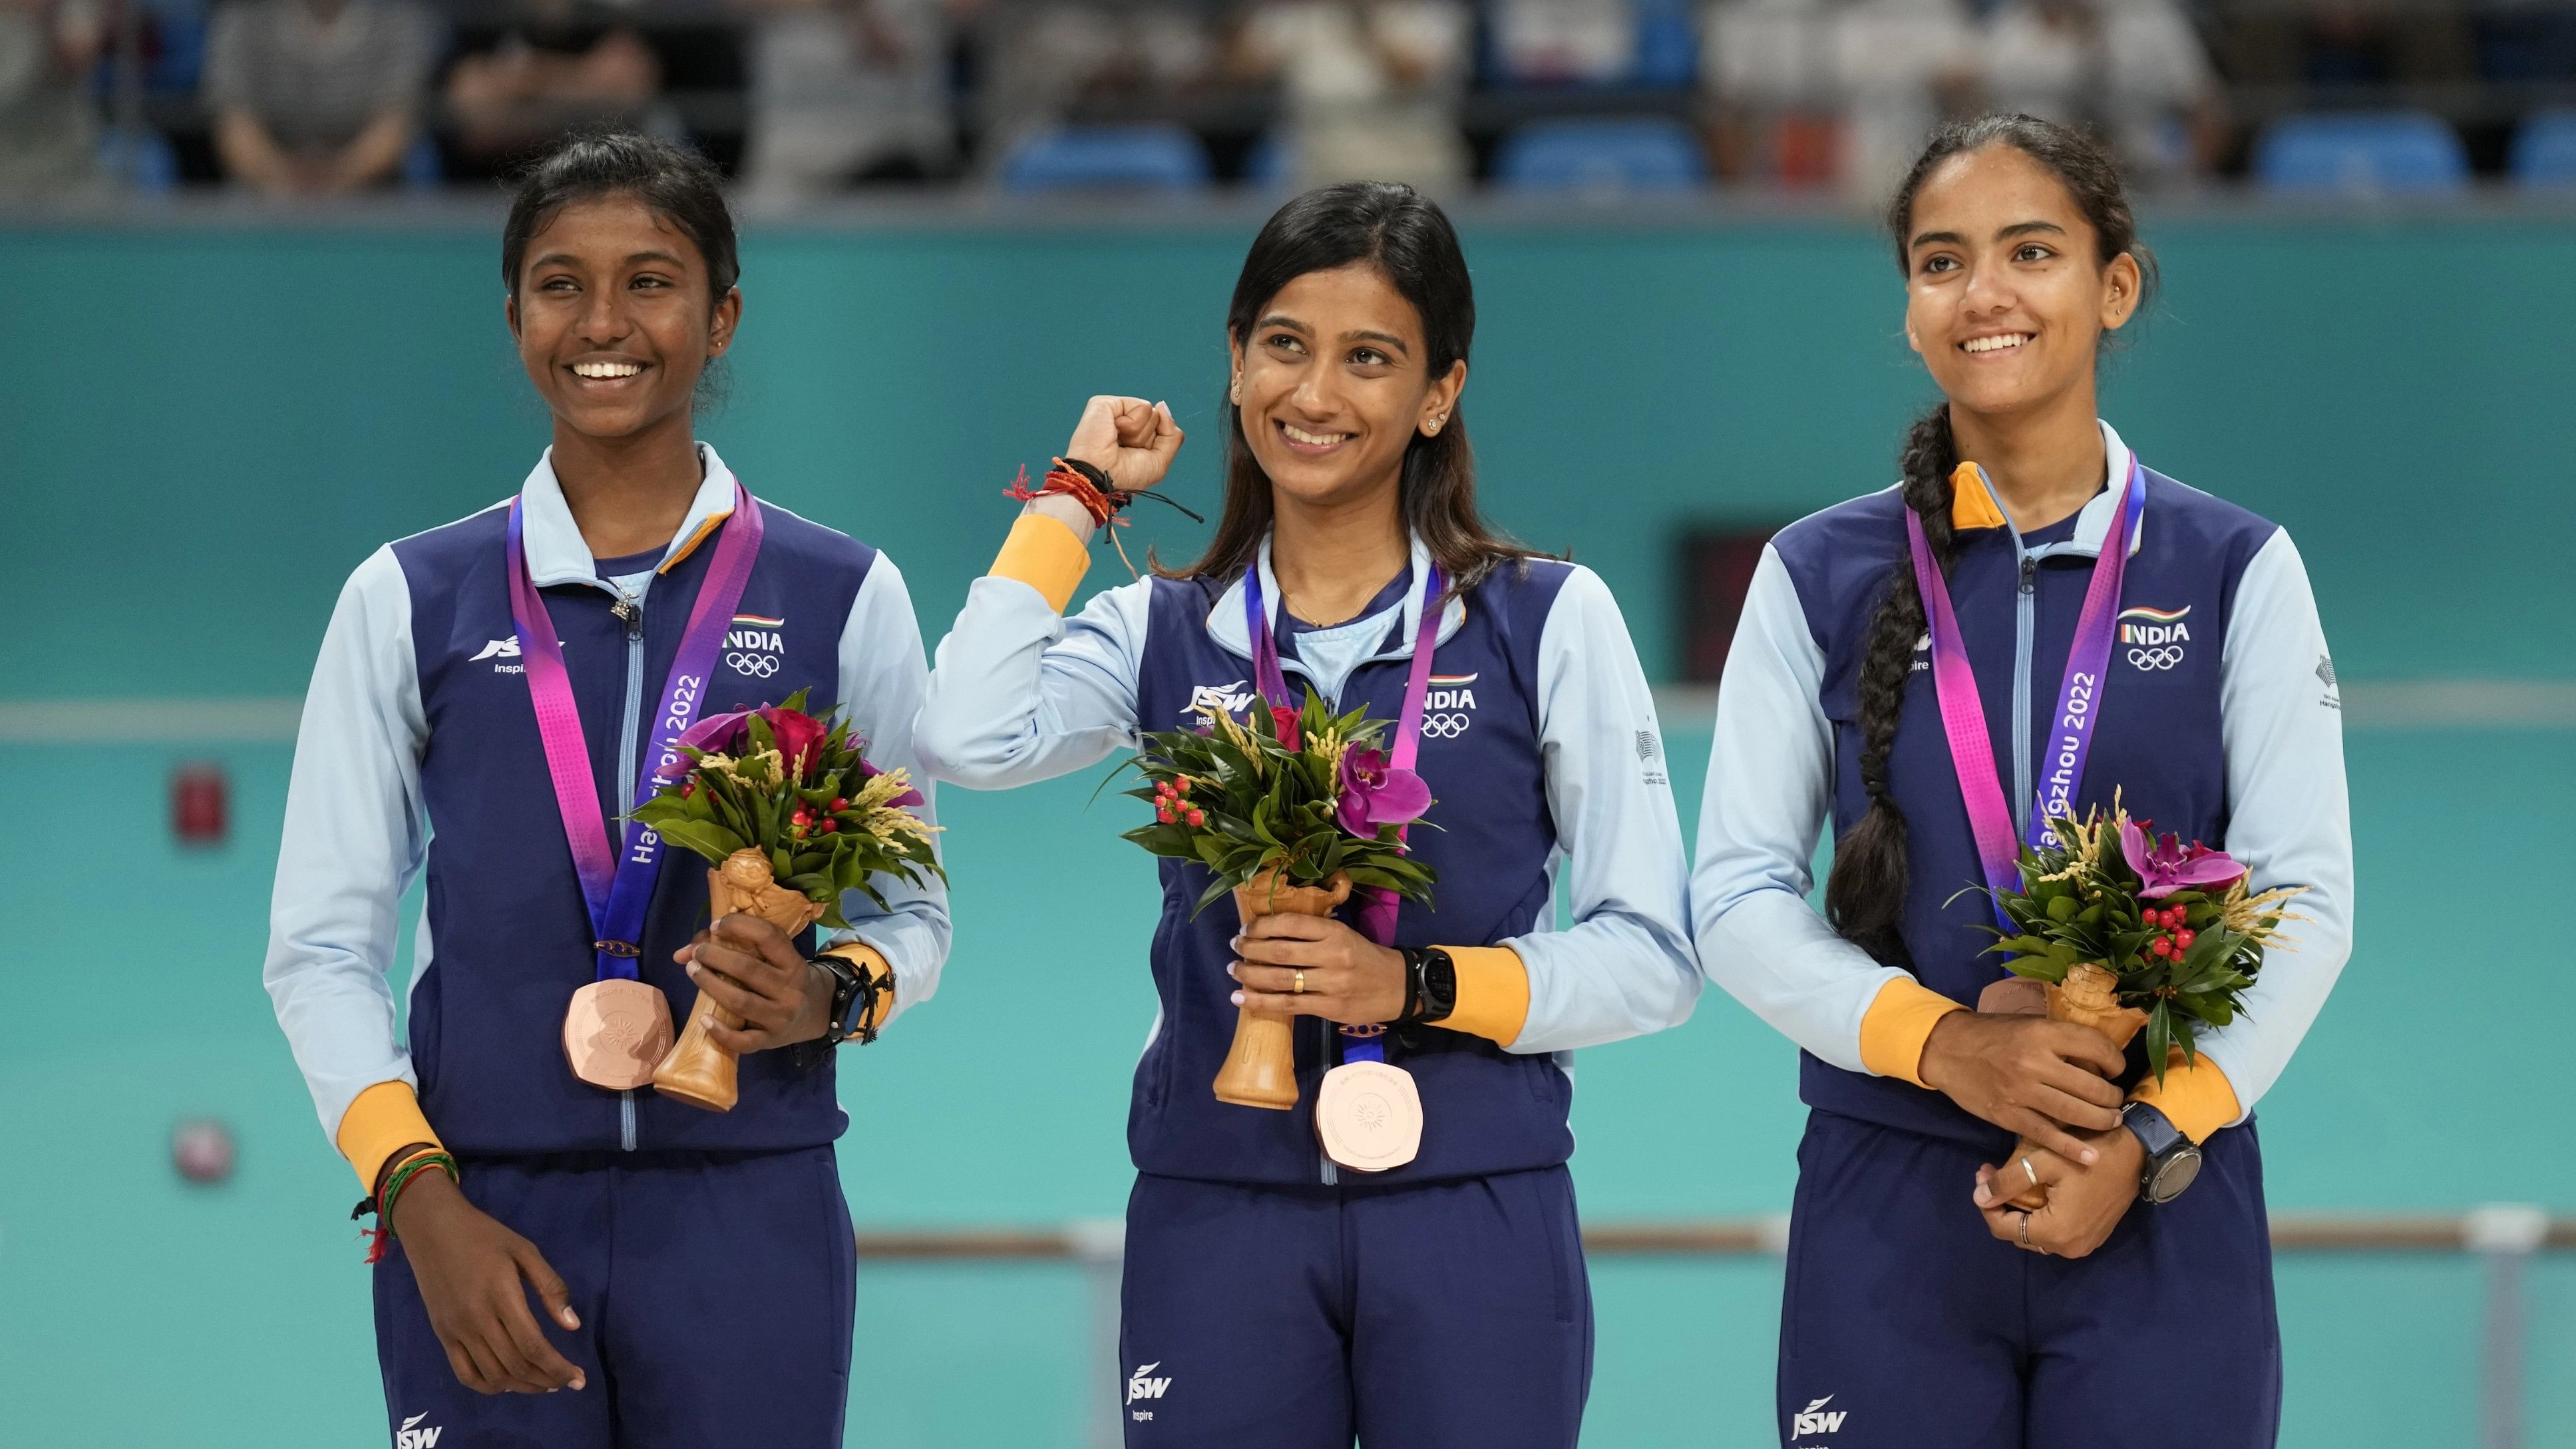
(675, 183)
(1865, 893)
(1408, 239)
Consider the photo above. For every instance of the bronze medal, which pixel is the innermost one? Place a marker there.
(615, 1033)
(1369, 1116)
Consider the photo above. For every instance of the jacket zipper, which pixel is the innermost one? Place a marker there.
(2025, 625)
(631, 610)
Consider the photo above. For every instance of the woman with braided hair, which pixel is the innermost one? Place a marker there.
(1922, 1309)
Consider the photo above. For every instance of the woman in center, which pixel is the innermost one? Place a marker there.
(1274, 1297)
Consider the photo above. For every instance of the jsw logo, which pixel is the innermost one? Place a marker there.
(412, 1438)
(1139, 1386)
(498, 649)
(1811, 1422)
(1218, 698)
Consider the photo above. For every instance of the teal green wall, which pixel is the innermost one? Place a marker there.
(202, 431)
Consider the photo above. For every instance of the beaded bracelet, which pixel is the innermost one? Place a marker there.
(382, 1204)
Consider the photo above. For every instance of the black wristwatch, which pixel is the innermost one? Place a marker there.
(2173, 1159)
(854, 1000)
(1430, 985)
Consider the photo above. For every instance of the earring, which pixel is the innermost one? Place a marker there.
(1234, 391)
(1432, 429)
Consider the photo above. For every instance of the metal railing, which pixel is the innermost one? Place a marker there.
(2504, 1236)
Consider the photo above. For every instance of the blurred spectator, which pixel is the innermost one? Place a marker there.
(2131, 71)
(1044, 57)
(316, 96)
(1776, 113)
(1373, 87)
(48, 123)
(549, 66)
(1558, 42)
(1840, 91)
(849, 90)
(2346, 45)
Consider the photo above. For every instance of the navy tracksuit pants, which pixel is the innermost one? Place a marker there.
(715, 1289)
(1449, 1315)
(1907, 1325)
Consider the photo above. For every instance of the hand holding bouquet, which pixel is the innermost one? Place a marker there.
(1288, 812)
(792, 815)
(2129, 932)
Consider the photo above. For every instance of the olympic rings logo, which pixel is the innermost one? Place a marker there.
(1444, 726)
(757, 666)
(2163, 657)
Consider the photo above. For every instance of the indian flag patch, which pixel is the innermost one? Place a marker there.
(2143, 625)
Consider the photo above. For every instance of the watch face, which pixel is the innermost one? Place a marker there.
(2178, 1172)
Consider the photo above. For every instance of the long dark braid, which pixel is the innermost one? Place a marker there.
(1865, 894)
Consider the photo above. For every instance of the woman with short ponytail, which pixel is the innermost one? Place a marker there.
(1923, 1309)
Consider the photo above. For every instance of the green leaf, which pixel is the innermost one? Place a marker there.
(710, 841)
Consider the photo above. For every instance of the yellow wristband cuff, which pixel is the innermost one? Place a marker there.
(383, 1120)
(1898, 1022)
(2196, 1097)
(1045, 555)
(1493, 993)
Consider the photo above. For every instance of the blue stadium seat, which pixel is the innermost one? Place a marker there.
(1667, 45)
(1097, 158)
(2400, 153)
(1270, 164)
(2544, 152)
(141, 162)
(1626, 155)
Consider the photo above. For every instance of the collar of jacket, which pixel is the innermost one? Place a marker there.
(1976, 508)
(557, 553)
(1225, 620)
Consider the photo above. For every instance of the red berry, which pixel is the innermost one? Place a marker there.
(2162, 947)
(1164, 814)
(1184, 785)
(831, 827)
(2174, 917)
(2184, 940)
(1198, 817)
(838, 803)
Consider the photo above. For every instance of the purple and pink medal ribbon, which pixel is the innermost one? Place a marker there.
(2079, 697)
(1377, 904)
(617, 888)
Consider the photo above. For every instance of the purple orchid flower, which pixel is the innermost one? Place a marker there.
(712, 735)
(1375, 793)
(2168, 866)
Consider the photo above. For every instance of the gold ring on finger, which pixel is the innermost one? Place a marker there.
(1300, 988)
(2029, 1171)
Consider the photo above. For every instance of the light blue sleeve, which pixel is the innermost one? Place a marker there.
(1768, 797)
(355, 835)
(1625, 967)
(1020, 693)
(882, 678)
(2290, 817)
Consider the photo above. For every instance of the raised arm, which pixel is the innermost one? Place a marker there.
(1018, 692)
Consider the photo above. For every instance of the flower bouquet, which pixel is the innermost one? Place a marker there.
(1289, 812)
(2126, 931)
(791, 814)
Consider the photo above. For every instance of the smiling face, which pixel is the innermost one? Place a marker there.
(613, 317)
(2006, 298)
(1332, 385)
